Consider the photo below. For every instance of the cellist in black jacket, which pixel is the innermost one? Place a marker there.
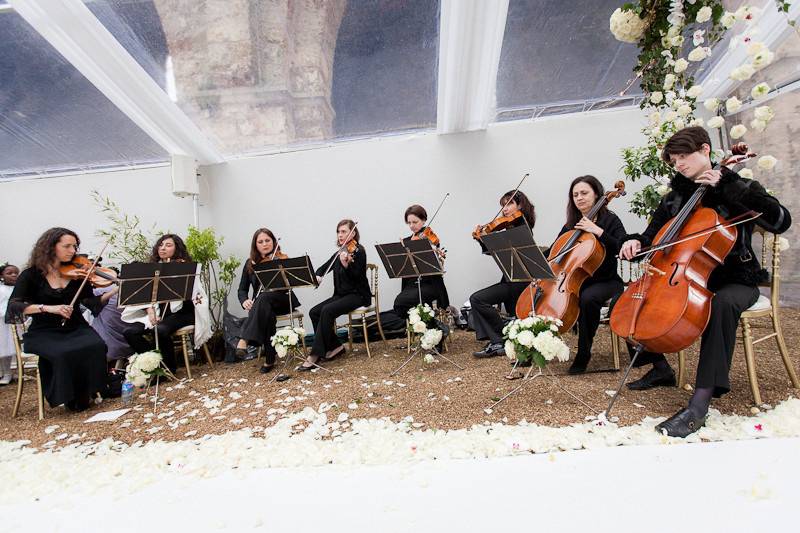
(734, 283)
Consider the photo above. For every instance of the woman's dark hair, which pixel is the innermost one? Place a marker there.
(350, 225)
(418, 211)
(573, 213)
(686, 141)
(181, 253)
(4, 266)
(255, 257)
(525, 205)
(44, 251)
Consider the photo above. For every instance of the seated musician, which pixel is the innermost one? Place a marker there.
(487, 321)
(263, 307)
(734, 283)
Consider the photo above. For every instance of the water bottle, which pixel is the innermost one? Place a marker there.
(127, 392)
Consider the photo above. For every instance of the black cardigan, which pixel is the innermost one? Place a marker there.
(350, 280)
(733, 195)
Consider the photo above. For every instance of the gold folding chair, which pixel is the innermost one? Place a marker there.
(369, 315)
(26, 362)
(185, 336)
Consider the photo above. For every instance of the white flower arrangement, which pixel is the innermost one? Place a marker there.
(143, 366)
(535, 339)
(627, 26)
(287, 339)
(422, 323)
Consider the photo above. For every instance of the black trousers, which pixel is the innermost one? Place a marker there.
(592, 298)
(323, 317)
(409, 297)
(170, 323)
(486, 320)
(261, 321)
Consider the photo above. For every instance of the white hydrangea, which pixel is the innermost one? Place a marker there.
(627, 26)
(738, 131)
(526, 338)
(148, 361)
(733, 104)
(413, 317)
(431, 338)
(767, 162)
(715, 122)
(704, 14)
(511, 352)
(550, 346)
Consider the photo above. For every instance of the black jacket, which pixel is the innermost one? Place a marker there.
(612, 238)
(350, 280)
(733, 195)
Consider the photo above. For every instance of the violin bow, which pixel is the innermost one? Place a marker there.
(428, 225)
(274, 252)
(347, 239)
(513, 194)
(85, 279)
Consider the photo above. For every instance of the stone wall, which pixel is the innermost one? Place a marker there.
(254, 73)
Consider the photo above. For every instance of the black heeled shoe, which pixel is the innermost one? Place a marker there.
(266, 369)
(681, 424)
(301, 368)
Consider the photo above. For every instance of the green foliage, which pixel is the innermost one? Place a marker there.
(644, 202)
(128, 241)
(216, 274)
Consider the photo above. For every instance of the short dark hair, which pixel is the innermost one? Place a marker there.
(418, 211)
(685, 141)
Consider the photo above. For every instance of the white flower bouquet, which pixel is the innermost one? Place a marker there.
(535, 339)
(627, 26)
(143, 366)
(422, 324)
(287, 339)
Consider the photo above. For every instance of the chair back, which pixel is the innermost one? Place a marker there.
(771, 255)
(372, 276)
(17, 330)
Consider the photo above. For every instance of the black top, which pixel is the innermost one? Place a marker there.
(32, 288)
(435, 281)
(350, 280)
(612, 238)
(250, 280)
(733, 195)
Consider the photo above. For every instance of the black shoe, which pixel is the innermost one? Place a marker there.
(654, 378)
(266, 369)
(238, 355)
(681, 424)
(577, 367)
(492, 350)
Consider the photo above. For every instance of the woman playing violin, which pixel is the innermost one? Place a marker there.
(263, 307)
(170, 317)
(431, 287)
(72, 357)
(733, 283)
(595, 291)
(517, 210)
(350, 291)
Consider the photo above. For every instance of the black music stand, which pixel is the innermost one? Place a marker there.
(412, 259)
(286, 275)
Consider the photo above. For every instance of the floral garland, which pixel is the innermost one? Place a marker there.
(422, 324)
(535, 340)
(287, 339)
(658, 27)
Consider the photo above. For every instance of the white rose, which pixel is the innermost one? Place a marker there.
(293, 339)
(673, 31)
(767, 162)
(669, 81)
(679, 123)
(756, 47)
(728, 20)
(419, 327)
(510, 351)
(527, 322)
(429, 358)
(677, 102)
(697, 122)
(764, 113)
(759, 91)
(671, 116)
(300, 331)
(656, 97)
(694, 91)
(733, 104)
(746, 173)
(654, 118)
(758, 125)
(281, 350)
(681, 65)
(684, 110)
(627, 26)
(742, 73)
(712, 104)
(661, 190)
(745, 13)
(526, 338)
(704, 14)
(697, 54)
(669, 97)
(763, 59)
(738, 131)
(413, 317)
(677, 40)
(666, 42)
(513, 332)
(715, 122)
(697, 38)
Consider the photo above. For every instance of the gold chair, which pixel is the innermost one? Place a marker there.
(370, 314)
(185, 336)
(766, 307)
(26, 362)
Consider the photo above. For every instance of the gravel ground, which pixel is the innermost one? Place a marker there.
(436, 395)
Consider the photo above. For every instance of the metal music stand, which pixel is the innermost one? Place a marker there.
(412, 259)
(286, 275)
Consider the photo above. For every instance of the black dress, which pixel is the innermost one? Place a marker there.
(72, 357)
(261, 320)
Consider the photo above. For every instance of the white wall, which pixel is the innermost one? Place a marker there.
(301, 195)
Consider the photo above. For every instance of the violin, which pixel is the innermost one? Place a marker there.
(498, 224)
(277, 255)
(81, 267)
(574, 257)
(426, 233)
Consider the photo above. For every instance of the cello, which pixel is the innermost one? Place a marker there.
(574, 257)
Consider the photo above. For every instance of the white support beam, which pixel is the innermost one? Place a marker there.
(773, 29)
(75, 33)
(470, 39)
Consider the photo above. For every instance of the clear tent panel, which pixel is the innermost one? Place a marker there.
(51, 118)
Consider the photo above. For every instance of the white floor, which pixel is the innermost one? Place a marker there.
(743, 486)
